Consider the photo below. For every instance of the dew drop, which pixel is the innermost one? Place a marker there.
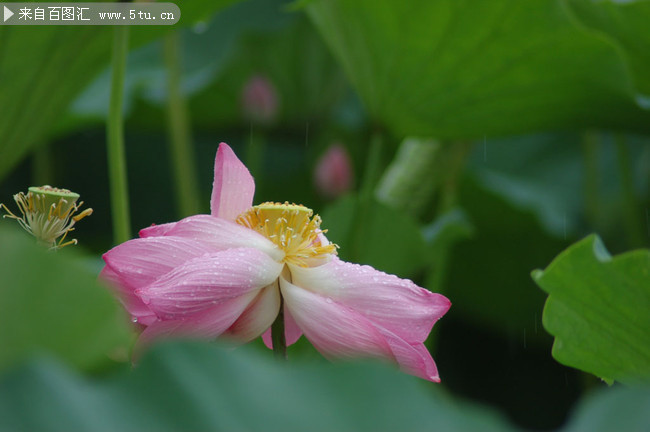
(134, 319)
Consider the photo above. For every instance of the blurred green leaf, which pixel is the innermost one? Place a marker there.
(43, 68)
(614, 409)
(202, 387)
(626, 22)
(597, 310)
(393, 242)
(307, 79)
(542, 173)
(206, 49)
(193, 11)
(219, 56)
(572, 189)
(447, 229)
(488, 275)
(51, 302)
(464, 69)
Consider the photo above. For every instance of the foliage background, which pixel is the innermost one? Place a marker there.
(539, 115)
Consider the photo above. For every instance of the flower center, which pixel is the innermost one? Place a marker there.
(292, 228)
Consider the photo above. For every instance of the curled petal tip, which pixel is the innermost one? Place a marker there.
(444, 302)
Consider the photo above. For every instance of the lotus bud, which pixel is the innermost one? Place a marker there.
(334, 175)
(260, 100)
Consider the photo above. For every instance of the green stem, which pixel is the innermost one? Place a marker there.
(255, 155)
(633, 219)
(451, 166)
(42, 166)
(179, 130)
(456, 155)
(590, 149)
(115, 137)
(277, 334)
(373, 167)
(366, 195)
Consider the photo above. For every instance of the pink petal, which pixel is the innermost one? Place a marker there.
(156, 230)
(222, 234)
(139, 311)
(334, 329)
(208, 280)
(395, 304)
(414, 359)
(291, 331)
(139, 262)
(207, 324)
(233, 187)
(259, 315)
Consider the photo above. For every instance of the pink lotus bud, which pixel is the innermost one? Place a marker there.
(333, 175)
(260, 100)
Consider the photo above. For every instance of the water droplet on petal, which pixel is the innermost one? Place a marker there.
(134, 319)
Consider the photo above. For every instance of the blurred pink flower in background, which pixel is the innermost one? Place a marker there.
(228, 274)
(259, 100)
(334, 175)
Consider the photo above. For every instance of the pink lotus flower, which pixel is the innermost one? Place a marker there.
(228, 274)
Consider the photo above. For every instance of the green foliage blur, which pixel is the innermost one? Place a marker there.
(485, 139)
